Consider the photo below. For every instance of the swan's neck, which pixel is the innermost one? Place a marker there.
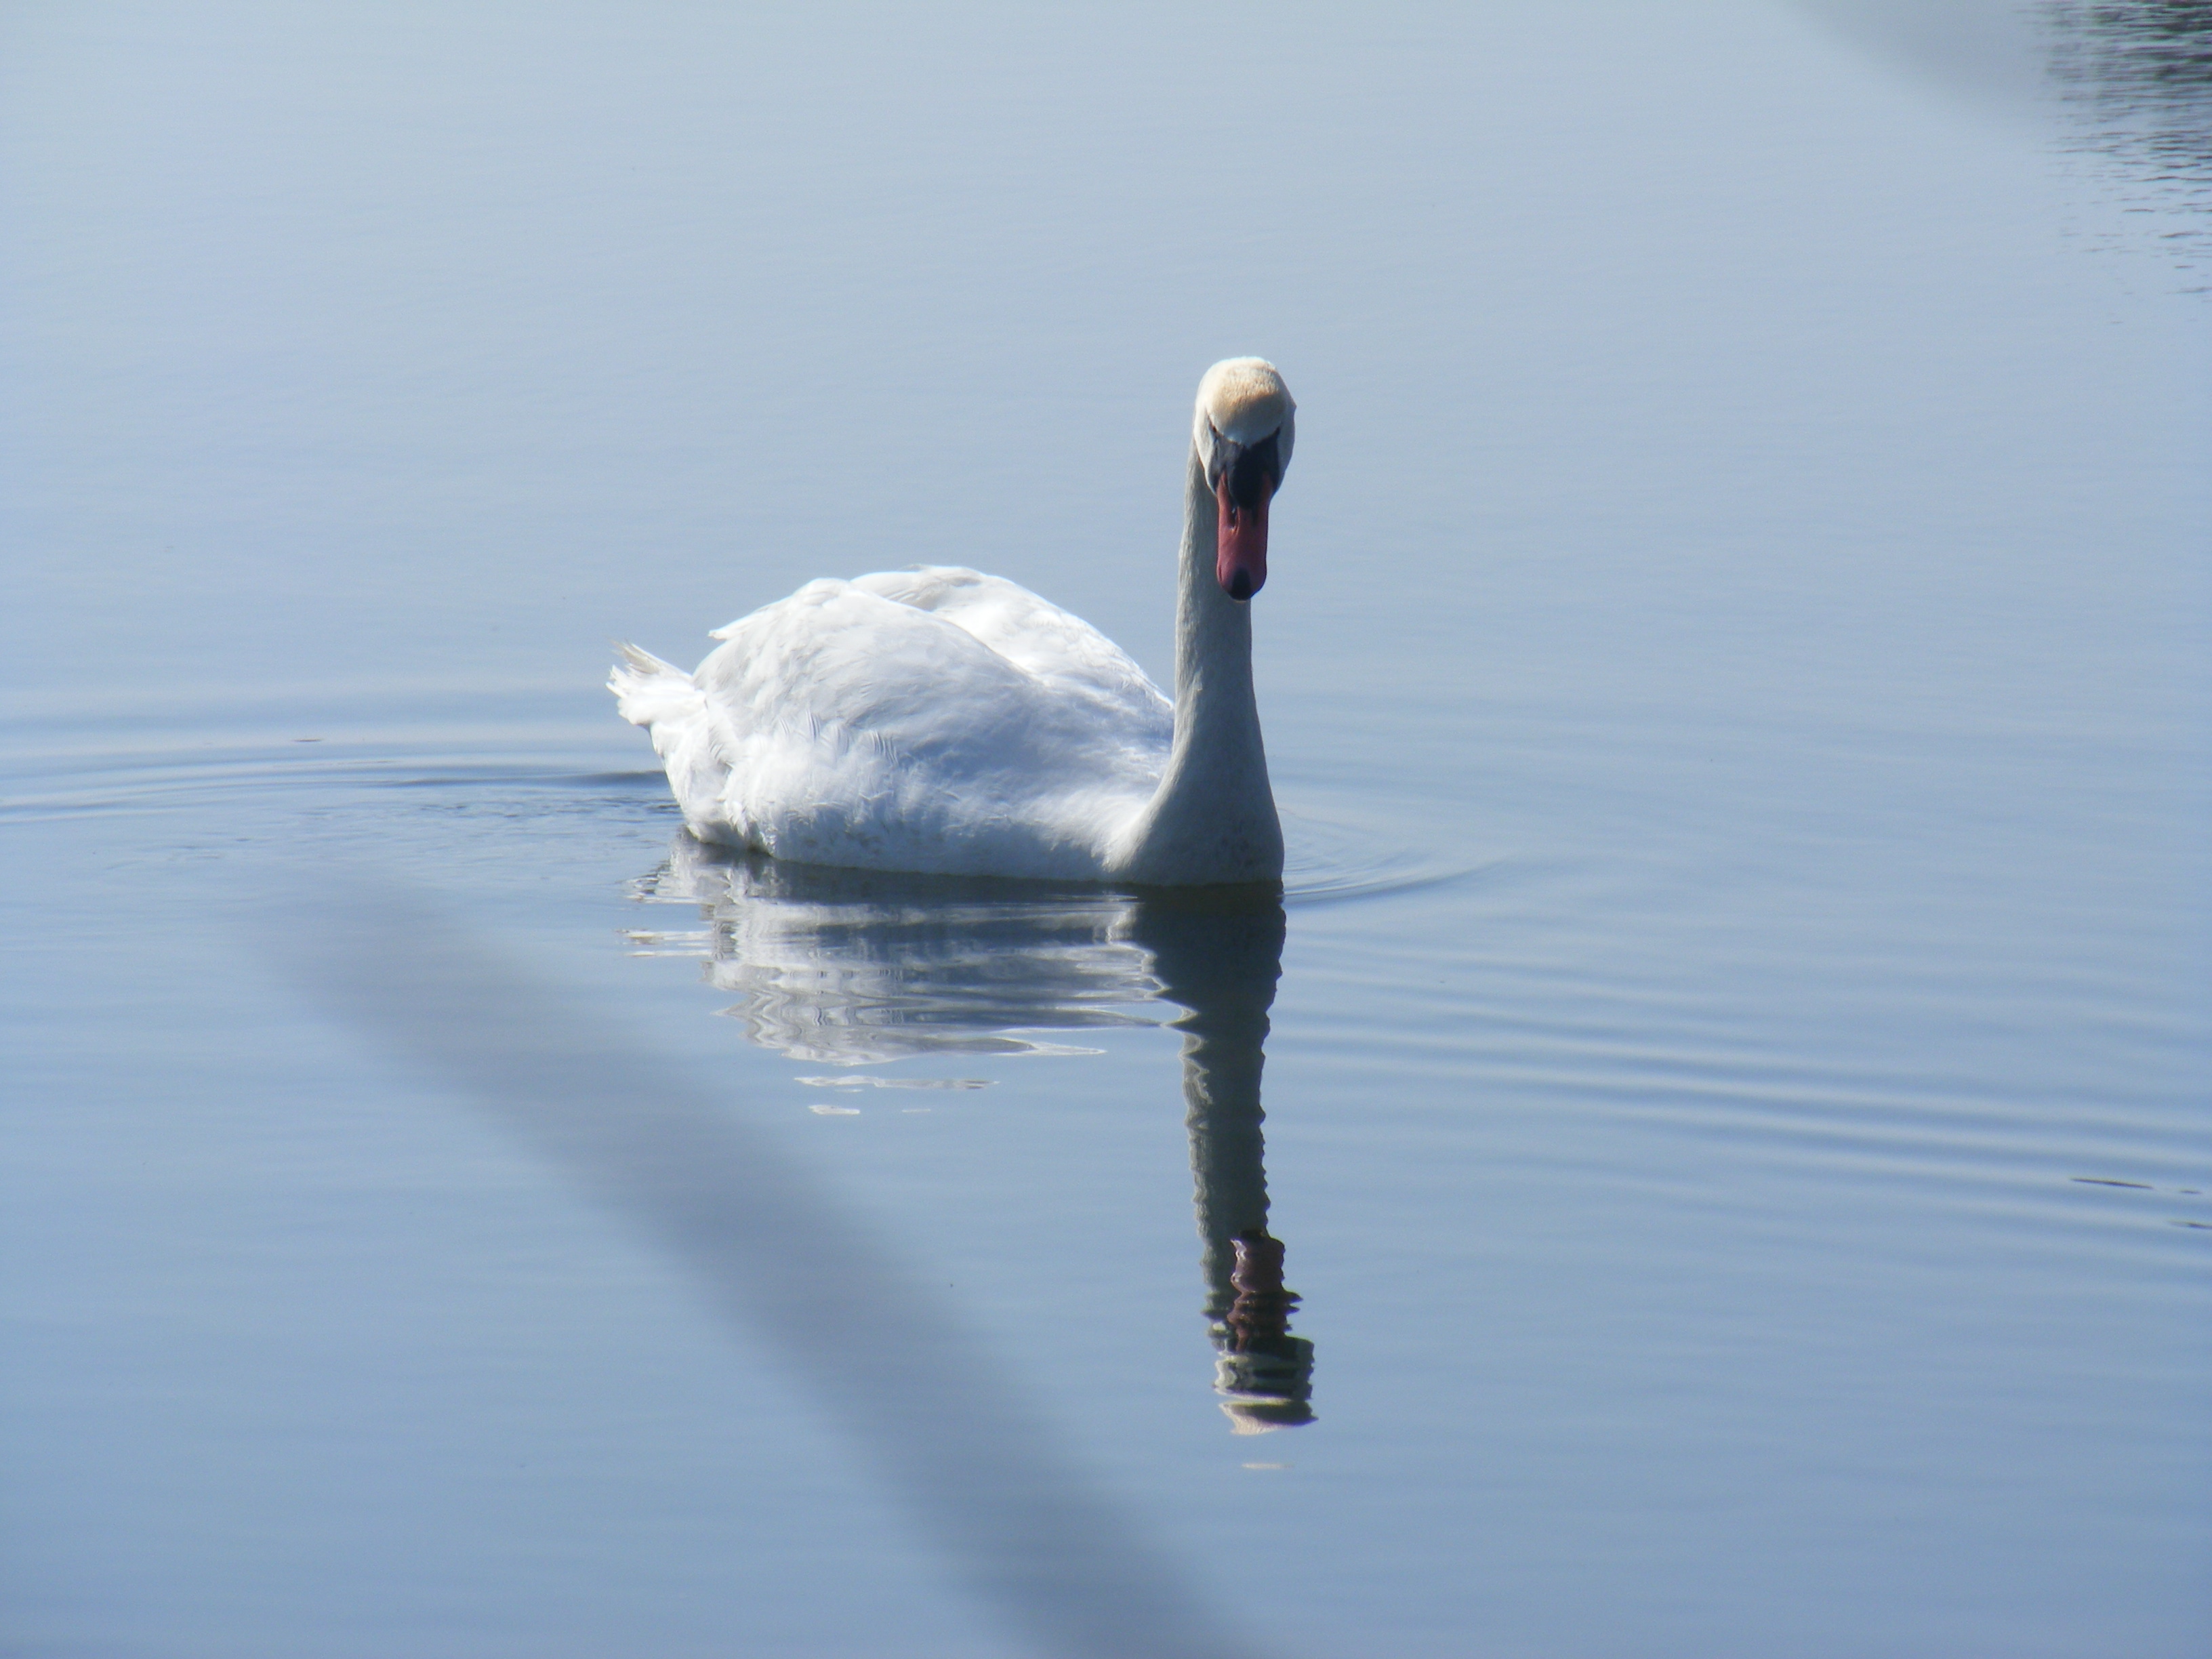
(1214, 818)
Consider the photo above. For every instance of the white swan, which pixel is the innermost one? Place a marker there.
(938, 720)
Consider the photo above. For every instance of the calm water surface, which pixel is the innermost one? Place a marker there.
(1733, 1048)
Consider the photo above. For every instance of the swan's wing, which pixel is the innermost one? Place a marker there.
(1033, 634)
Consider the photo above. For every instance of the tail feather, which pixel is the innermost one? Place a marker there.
(668, 702)
(649, 691)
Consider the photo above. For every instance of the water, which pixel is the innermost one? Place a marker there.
(1733, 1084)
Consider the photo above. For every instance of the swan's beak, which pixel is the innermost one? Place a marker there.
(1240, 562)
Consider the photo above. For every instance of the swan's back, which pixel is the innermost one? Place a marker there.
(1033, 634)
(932, 719)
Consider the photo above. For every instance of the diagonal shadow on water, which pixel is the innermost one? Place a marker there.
(896, 1365)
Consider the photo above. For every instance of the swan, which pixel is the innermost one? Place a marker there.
(939, 720)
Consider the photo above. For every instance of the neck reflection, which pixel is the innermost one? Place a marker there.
(857, 968)
(1219, 954)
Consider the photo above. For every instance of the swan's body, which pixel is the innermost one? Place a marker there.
(938, 720)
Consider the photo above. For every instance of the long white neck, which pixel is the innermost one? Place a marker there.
(1214, 817)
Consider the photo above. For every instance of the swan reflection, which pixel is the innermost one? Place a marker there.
(855, 968)
(1219, 953)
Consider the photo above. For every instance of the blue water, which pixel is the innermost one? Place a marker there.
(1734, 1046)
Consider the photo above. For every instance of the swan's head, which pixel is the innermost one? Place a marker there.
(1246, 422)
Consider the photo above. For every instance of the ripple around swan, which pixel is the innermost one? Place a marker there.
(1333, 857)
(846, 968)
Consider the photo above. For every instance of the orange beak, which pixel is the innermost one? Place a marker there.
(1239, 562)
